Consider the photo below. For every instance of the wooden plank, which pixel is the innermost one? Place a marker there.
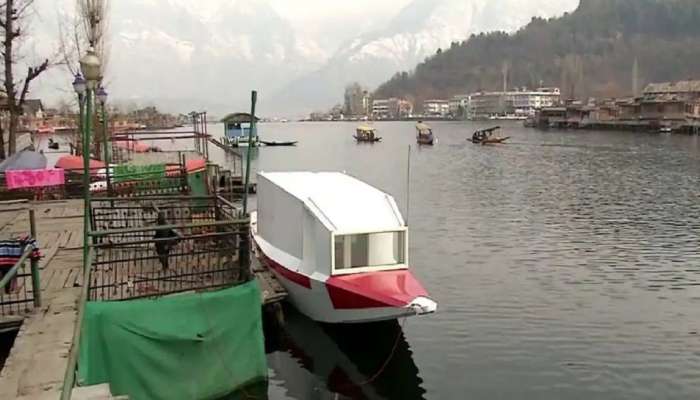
(10, 210)
(46, 278)
(49, 255)
(64, 239)
(19, 201)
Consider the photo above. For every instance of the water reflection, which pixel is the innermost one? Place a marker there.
(314, 361)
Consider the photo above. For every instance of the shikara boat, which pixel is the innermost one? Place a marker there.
(339, 247)
(486, 136)
(275, 143)
(425, 134)
(366, 134)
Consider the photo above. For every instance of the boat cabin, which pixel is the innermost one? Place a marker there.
(366, 133)
(330, 224)
(237, 128)
(423, 129)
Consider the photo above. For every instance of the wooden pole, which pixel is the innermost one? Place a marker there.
(36, 281)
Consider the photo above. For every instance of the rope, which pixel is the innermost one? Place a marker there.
(371, 379)
(389, 358)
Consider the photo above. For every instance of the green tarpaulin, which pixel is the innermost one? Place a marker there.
(198, 187)
(189, 346)
(126, 172)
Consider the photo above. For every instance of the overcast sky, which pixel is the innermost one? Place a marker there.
(210, 53)
(325, 23)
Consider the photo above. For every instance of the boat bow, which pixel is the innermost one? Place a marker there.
(398, 289)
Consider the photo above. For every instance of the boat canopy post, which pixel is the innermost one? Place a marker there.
(408, 186)
(253, 100)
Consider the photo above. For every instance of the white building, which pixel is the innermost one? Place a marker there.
(439, 108)
(528, 102)
(518, 102)
(460, 106)
(391, 108)
(380, 108)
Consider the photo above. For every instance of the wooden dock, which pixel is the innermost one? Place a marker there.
(38, 360)
(270, 289)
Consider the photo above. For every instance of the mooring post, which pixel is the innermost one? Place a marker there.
(36, 281)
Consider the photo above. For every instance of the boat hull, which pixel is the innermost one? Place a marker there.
(358, 298)
(362, 140)
(490, 141)
(426, 141)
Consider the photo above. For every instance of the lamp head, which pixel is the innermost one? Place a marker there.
(90, 66)
(101, 95)
(79, 84)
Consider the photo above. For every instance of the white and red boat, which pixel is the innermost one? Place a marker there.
(338, 245)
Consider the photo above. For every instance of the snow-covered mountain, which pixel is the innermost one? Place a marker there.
(416, 32)
(209, 54)
(205, 54)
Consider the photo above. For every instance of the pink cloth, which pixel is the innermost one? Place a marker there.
(34, 178)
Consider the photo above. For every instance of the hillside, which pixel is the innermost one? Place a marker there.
(412, 34)
(589, 52)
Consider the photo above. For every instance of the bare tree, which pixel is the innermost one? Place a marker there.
(13, 26)
(86, 28)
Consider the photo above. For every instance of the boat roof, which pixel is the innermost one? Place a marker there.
(495, 128)
(341, 202)
(365, 128)
(238, 118)
(422, 126)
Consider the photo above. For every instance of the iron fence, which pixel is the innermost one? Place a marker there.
(20, 286)
(17, 295)
(158, 246)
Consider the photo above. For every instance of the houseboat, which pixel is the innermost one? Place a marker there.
(237, 128)
(424, 134)
(338, 245)
(366, 133)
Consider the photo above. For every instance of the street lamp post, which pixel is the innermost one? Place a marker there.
(80, 86)
(102, 98)
(91, 68)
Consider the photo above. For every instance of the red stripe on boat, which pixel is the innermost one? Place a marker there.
(374, 289)
(295, 277)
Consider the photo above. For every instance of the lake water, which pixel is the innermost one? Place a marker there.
(565, 264)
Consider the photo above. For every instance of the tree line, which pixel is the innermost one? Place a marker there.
(592, 51)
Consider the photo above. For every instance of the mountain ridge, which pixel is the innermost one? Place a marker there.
(417, 31)
(589, 52)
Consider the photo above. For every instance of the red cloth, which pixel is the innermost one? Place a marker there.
(75, 163)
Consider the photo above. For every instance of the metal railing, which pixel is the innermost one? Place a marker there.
(196, 246)
(72, 367)
(135, 263)
(20, 290)
(123, 263)
(123, 213)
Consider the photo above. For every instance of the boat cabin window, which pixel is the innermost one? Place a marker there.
(383, 249)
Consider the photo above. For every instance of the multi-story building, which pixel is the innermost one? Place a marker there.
(436, 108)
(460, 106)
(392, 108)
(518, 102)
(486, 104)
(528, 102)
(382, 108)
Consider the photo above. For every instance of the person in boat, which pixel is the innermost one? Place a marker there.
(479, 136)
